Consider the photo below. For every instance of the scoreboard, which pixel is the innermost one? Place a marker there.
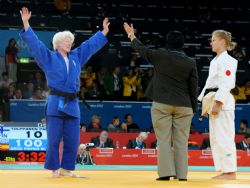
(22, 141)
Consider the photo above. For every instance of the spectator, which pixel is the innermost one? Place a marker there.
(83, 156)
(139, 88)
(103, 141)
(138, 142)
(38, 81)
(83, 93)
(115, 124)
(244, 144)
(112, 85)
(11, 59)
(88, 78)
(83, 128)
(18, 94)
(130, 83)
(29, 90)
(244, 127)
(94, 93)
(37, 95)
(247, 90)
(101, 76)
(129, 125)
(205, 143)
(43, 120)
(239, 94)
(133, 60)
(5, 83)
(124, 127)
(95, 123)
(45, 92)
(8, 93)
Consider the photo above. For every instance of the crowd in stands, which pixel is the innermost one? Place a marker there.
(127, 126)
(121, 83)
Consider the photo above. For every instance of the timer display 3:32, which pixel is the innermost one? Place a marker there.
(23, 156)
(33, 156)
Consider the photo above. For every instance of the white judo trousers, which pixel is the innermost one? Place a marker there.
(222, 76)
(222, 134)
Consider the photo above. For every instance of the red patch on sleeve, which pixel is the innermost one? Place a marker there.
(228, 72)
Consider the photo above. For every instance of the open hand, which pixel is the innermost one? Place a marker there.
(128, 28)
(216, 109)
(25, 15)
(105, 25)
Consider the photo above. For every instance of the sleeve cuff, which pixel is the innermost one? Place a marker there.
(99, 33)
(23, 32)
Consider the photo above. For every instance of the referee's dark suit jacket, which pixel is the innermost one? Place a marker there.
(175, 80)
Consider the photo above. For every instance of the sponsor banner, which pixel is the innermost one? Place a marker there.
(146, 157)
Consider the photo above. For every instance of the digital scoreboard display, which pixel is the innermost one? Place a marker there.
(19, 136)
(23, 156)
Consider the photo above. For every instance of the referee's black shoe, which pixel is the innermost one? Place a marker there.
(165, 178)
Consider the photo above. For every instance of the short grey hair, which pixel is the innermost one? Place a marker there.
(143, 135)
(82, 146)
(60, 36)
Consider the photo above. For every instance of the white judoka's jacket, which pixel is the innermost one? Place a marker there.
(222, 75)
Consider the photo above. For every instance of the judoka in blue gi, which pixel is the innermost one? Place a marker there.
(62, 69)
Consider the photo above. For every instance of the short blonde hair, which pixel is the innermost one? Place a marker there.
(227, 36)
(60, 36)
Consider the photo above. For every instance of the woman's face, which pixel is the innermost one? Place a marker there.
(96, 120)
(12, 43)
(217, 44)
(65, 45)
(117, 122)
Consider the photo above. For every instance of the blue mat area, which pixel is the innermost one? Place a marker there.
(109, 167)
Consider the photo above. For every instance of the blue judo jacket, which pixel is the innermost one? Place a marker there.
(54, 67)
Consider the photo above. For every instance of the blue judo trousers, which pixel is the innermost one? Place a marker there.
(62, 116)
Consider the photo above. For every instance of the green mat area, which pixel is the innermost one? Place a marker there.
(109, 167)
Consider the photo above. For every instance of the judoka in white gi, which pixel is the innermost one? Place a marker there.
(218, 102)
(62, 69)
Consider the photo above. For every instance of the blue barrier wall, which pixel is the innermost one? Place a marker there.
(28, 111)
(5, 35)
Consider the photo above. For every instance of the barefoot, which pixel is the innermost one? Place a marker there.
(226, 176)
(55, 174)
(218, 176)
(68, 173)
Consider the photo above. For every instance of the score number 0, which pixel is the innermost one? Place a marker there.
(29, 143)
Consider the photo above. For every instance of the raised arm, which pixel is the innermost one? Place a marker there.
(145, 52)
(93, 44)
(35, 47)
